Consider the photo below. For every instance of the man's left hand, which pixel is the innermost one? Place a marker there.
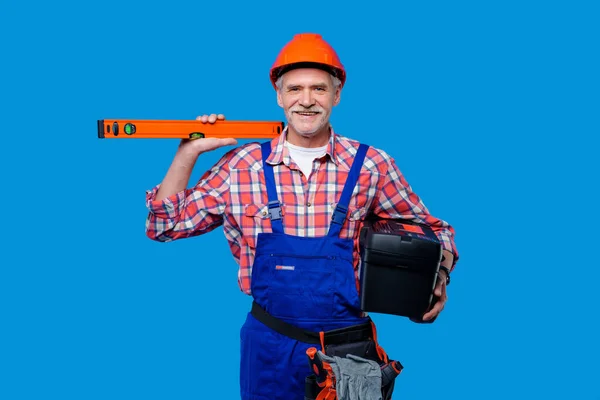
(440, 293)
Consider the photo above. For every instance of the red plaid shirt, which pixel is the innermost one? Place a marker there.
(233, 194)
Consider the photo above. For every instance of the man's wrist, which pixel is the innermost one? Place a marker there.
(447, 273)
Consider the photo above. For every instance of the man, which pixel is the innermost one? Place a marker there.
(291, 210)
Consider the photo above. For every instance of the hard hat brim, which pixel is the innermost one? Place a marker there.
(277, 72)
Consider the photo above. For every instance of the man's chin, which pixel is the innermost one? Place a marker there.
(306, 131)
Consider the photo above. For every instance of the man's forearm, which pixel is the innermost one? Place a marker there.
(177, 176)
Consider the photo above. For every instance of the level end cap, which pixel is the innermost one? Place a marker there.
(101, 129)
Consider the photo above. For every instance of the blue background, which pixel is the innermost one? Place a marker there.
(490, 108)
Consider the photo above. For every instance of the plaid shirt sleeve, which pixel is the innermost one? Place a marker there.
(192, 211)
(396, 199)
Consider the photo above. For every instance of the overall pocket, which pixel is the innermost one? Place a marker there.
(301, 286)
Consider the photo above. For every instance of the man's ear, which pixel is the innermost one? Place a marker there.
(337, 96)
(279, 99)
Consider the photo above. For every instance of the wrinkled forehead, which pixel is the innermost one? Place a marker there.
(307, 77)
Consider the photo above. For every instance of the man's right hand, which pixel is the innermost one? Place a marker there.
(195, 147)
(179, 172)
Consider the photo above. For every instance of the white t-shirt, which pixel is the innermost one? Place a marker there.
(304, 157)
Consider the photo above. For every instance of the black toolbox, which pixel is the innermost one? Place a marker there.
(399, 265)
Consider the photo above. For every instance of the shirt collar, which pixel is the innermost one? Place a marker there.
(280, 153)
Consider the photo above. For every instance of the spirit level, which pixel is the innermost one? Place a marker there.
(181, 129)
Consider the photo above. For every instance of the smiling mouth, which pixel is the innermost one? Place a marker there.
(306, 113)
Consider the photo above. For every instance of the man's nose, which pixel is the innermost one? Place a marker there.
(307, 99)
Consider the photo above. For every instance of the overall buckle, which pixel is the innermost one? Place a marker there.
(274, 210)
(339, 215)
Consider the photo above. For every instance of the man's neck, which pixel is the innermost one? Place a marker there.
(317, 140)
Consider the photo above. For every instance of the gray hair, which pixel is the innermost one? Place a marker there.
(334, 80)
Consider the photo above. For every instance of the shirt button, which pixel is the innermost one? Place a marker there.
(264, 213)
(308, 204)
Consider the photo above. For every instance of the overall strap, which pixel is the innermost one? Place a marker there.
(339, 214)
(274, 206)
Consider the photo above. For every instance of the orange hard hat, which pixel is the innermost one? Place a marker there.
(307, 50)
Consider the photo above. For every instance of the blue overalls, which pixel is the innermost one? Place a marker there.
(306, 281)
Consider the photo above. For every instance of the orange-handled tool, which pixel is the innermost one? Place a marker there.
(390, 371)
(316, 365)
(182, 129)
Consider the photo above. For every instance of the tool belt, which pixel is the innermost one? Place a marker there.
(359, 340)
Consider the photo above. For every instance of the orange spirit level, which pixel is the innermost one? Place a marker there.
(194, 129)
